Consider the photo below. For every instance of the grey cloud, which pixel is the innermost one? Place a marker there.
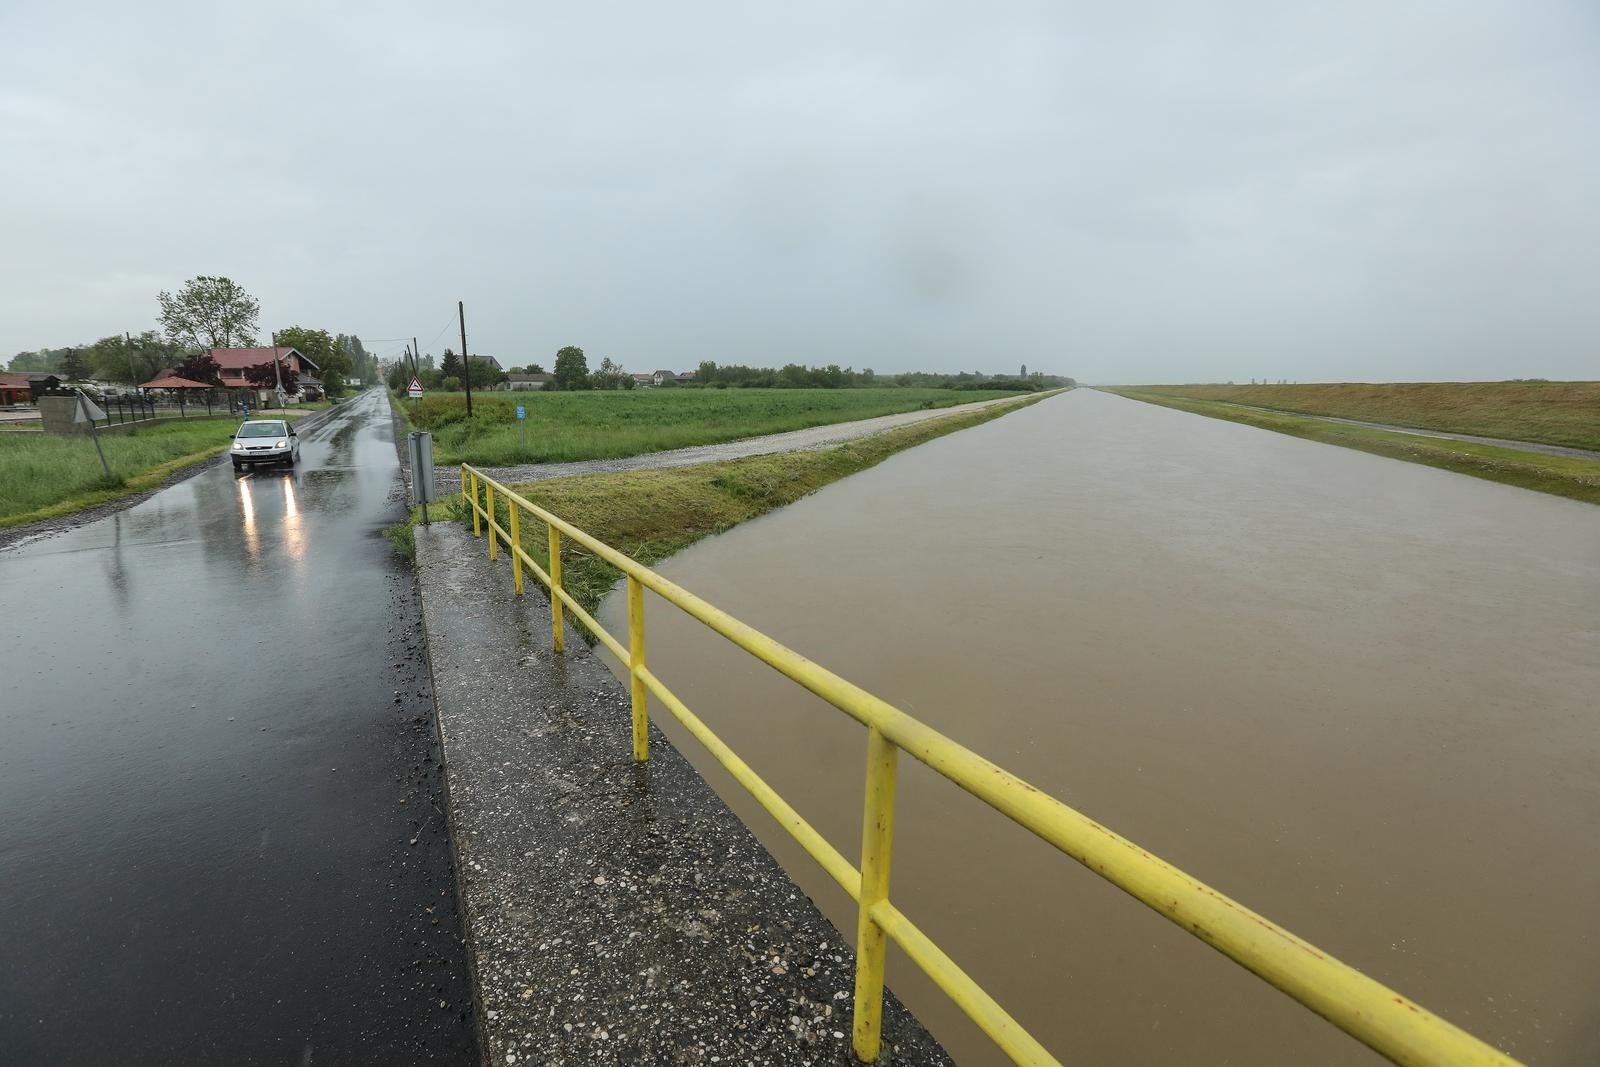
(1146, 192)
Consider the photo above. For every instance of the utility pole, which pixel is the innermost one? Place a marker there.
(466, 364)
(277, 371)
(416, 359)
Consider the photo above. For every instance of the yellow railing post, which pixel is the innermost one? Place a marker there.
(488, 519)
(877, 842)
(558, 635)
(1370, 1012)
(641, 696)
(516, 543)
(476, 532)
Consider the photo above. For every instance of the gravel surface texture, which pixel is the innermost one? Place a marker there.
(616, 912)
(449, 478)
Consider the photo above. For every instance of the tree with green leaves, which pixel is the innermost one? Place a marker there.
(450, 365)
(134, 360)
(362, 365)
(332, 362)
(572, 369)
(73, 365)
(610, 376)
(485, 373)
(210, 312)
(44, 361)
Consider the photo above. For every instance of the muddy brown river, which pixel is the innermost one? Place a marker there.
(1358, 695)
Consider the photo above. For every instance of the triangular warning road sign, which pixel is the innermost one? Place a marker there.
(415, 388)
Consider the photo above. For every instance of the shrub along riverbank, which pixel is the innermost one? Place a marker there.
(1576, 479)
(608, 425)
(649, 515)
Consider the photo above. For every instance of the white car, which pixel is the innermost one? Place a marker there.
(264, 441)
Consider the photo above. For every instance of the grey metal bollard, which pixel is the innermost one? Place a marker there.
(423, 489)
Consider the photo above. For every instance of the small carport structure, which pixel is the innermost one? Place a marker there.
(185, 390)
(172, 381)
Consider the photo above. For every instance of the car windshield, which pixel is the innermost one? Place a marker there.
(261, 429)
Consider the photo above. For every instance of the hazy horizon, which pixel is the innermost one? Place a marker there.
(1154, 193)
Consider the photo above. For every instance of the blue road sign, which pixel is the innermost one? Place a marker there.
(522, 412)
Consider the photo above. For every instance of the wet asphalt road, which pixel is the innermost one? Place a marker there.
(218, 748)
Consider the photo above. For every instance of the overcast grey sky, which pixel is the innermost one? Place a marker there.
(1121, 192)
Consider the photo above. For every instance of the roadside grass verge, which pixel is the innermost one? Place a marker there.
(650, 515)
(403, 535)
(1551, 413)
(45, 476)
(1576, 479)
(561, 427)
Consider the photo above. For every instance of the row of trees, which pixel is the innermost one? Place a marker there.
(447, 375)
(572, 372)
(797, 376)
(207, 312)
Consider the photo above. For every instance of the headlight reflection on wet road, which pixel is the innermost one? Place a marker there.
(252, 537)
(294, 532)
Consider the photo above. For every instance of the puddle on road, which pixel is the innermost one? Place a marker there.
(1355, 694)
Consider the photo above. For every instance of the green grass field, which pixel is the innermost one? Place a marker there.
(1576, 479)
(608, 425)
(43, 475)
(1552, 413)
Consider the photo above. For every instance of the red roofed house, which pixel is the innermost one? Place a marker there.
(14, 389)
(231, 363)
(17, 387)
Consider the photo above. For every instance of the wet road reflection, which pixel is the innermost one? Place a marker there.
(1357, 694)
(210, 772)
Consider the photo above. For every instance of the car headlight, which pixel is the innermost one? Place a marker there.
(239, 445)
(281, 444)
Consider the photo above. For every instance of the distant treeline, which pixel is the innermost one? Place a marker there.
(796, 376)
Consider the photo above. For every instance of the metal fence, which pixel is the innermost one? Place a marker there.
(1389, 1023)
(130, 407)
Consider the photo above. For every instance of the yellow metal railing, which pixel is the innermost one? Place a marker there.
(1367, 1010)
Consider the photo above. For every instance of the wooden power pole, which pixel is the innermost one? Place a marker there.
(466, 364)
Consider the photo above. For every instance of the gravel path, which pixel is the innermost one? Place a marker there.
(449, 478)
(1415, 431)
(1502, 442)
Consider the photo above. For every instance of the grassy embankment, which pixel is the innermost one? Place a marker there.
(649, 515)
(43, 476)
(562, 427)
(1549, 413)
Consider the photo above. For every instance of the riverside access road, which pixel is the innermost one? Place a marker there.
(223, 837)
(449, 477)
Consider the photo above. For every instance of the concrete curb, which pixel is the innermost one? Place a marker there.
(615, 912)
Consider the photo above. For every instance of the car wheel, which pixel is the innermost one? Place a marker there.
(237, 466)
